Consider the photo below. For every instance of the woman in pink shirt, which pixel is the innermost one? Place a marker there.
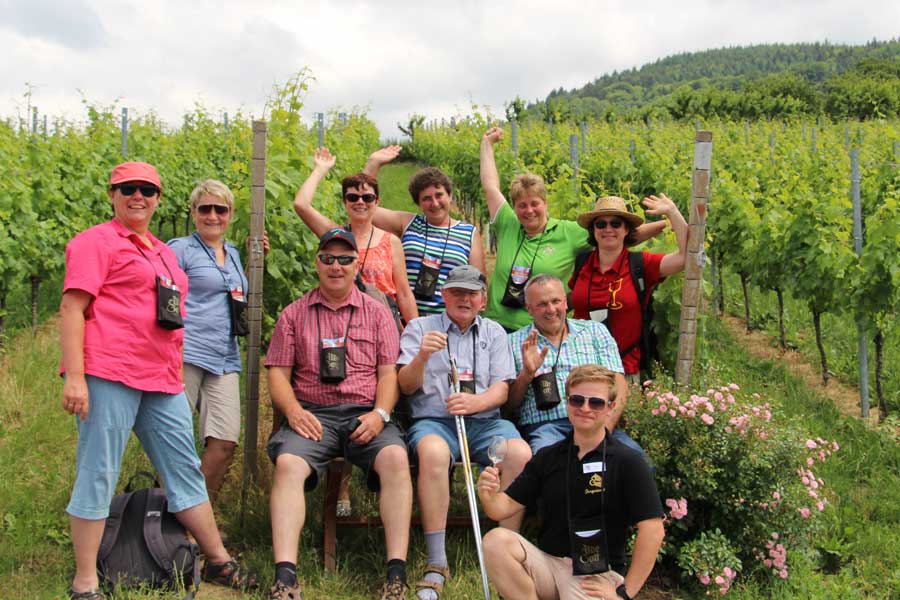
(121, 318)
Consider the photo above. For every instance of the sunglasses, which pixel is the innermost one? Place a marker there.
(602, 223)
(577, 401)
(148, 190)
(367, 198)
(342, 260)
(205, 209)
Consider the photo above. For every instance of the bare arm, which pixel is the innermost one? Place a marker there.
(674, 261)
(379, 158)
(649, 230)
(476, 254)
(393, 221)
(71, 333)
(406, 302)
(621, 400)
(282, 393)
(490, 179)
(497, 505)
(650, 535)
(463, 403)
(315, 220)
(386, 393)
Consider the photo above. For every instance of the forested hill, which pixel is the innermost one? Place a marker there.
(771, 80)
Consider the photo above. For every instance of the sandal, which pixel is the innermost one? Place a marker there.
(94, 594)
(231, 574)
(424, 584)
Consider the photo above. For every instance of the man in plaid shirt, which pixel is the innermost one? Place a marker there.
(546, 352)
(332, 375)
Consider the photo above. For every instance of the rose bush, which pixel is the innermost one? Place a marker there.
(738, 482)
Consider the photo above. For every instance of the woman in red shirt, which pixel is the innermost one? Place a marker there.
(603, 289)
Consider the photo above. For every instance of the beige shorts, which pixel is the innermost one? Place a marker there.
(552, 575)
(217, 399)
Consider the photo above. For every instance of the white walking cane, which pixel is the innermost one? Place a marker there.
(470, 483)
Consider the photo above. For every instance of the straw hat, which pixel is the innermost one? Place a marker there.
(610, 206)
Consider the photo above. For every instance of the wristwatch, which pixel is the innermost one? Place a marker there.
(385, 415)
(621, 593)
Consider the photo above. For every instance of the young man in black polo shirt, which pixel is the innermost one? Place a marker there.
(589, 489)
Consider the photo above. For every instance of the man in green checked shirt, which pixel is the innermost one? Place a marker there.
(545, 352)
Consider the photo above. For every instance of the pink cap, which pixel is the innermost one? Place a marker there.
(135, 171)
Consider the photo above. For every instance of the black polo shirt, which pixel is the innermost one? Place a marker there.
(628, 490)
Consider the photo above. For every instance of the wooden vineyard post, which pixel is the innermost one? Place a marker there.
(693, 268)
(254, 303)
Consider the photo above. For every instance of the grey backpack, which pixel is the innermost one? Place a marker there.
(144, 544)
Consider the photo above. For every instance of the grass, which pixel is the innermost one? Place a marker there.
(859, 546)
(838, 331)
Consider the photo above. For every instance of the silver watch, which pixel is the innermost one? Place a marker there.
(385, 415)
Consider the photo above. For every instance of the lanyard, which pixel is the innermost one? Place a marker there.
(591, 283)
(152, 266)
(536, 250)
(346, 331)
(366, 257)
(425, 249)
(569, 489)
(561, 342)
(474, 344)
(218, 268)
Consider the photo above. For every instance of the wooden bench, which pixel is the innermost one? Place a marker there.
(332, 521)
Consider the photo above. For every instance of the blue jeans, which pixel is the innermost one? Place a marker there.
(162, 423)
(478, 432)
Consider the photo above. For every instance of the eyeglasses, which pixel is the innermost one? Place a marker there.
(148, 190)
(602, 223)
(205, 209)
(577, 401)
(367, 198)
(342, 260)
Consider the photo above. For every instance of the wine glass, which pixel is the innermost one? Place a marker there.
(497, 450)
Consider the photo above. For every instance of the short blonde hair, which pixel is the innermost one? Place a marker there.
(527, 184)
(592, 374)
(212, 187)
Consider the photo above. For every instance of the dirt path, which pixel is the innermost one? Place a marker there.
(761, 345)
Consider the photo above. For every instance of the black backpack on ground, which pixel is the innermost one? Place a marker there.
(648, 341)
(144, 544)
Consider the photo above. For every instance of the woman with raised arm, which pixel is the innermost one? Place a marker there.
(433, 242)
(381, 258)
(606, 287)
(121, 334)
(529, 241)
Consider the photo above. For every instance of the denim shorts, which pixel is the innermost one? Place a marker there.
(162, 423)
(478, 432)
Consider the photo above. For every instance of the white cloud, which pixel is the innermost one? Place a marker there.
(395, 57)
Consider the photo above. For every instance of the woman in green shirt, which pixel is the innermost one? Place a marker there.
(529, 241)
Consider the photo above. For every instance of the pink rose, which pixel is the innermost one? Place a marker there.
(707, 419)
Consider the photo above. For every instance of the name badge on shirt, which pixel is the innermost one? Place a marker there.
(593, 467)
(599, 315)
(333, 342)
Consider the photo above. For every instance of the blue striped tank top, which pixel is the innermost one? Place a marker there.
(458, 241)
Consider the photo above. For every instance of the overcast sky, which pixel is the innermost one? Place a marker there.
(389, 57)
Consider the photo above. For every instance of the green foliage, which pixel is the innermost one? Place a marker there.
(732, 472)
(764, 81)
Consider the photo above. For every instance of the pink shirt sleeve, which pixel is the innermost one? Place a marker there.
(283, 344)
(87, 262)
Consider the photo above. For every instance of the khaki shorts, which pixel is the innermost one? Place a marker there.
(217, 399)
(552, 575)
